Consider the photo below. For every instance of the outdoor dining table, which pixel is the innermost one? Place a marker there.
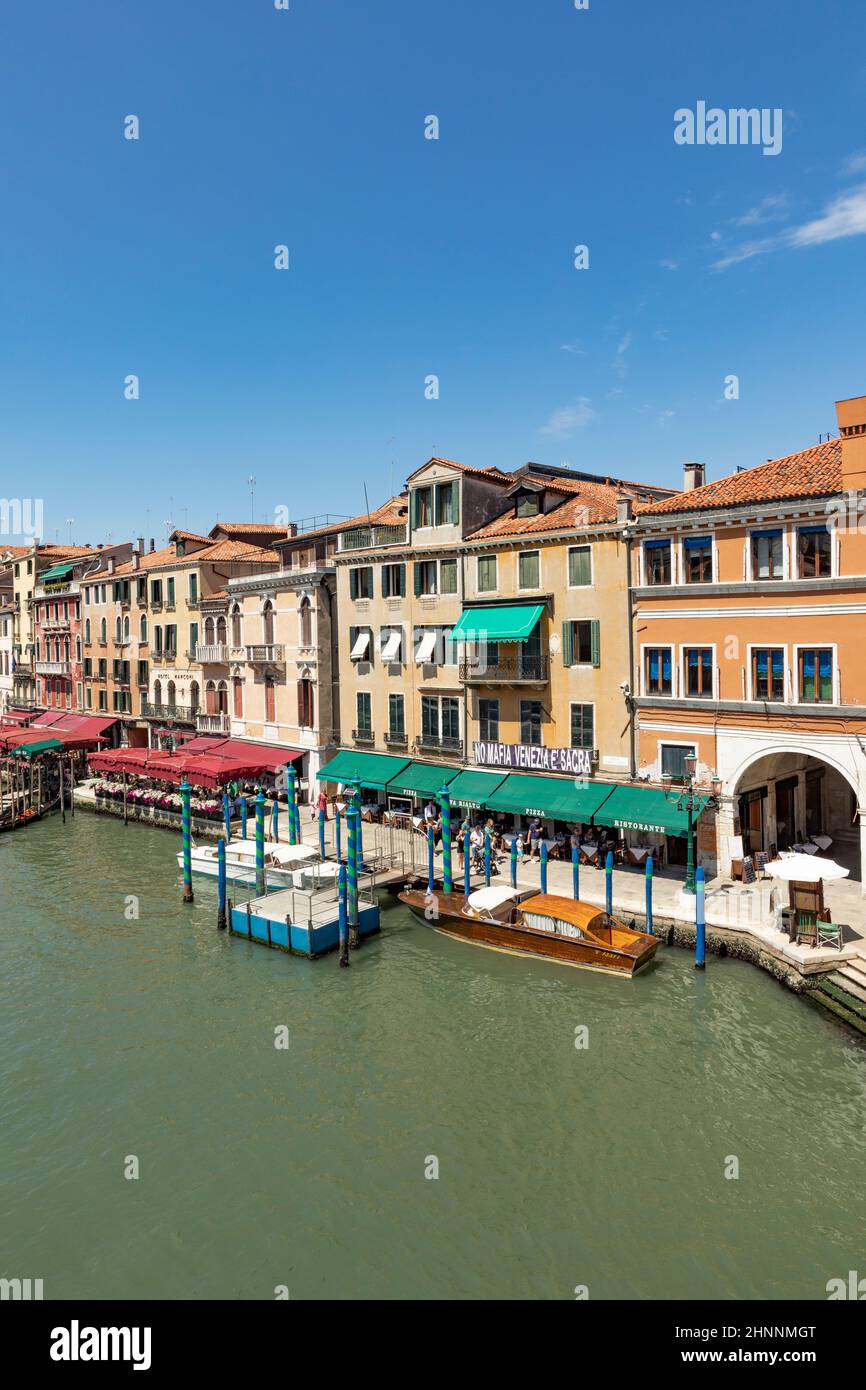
(640, 852)
(822, 841)
(806, 848)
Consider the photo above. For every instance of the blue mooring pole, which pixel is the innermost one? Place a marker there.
(275, 818)
(356, 806)
(487, 857)
(700, 922)
(185, 792)
(352, 822)
(445, 803)
(608, 885)
(221, 885)
(338, 837)
(431, 850)
(227, 815)
(544, 866)
(514, 860)
(342, 892)
(244, 814)
(260, 843)
(293, 792)
(322, 832)
(467, 861)
(649, 894)
(575, 872)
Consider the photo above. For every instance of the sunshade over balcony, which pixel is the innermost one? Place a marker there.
(502, 645)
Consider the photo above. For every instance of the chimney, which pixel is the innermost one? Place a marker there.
(136, 559)
(139, 545)
(152, 546)
(851, 415)
(624, 510)
(111, 564)
(694, 475)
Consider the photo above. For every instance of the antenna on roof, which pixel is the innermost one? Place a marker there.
(367, 505)
(251, 484)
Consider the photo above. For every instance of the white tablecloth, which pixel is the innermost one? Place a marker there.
(822, 841)
(806, 849)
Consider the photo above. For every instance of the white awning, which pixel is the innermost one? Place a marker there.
(362, 642)
(391, 649)
(425, 648)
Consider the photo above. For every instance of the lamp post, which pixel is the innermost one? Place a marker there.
(688, 800)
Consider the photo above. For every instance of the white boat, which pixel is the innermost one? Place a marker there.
(284, 864)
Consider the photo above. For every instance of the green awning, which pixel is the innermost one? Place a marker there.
(473, 789)
(371, 769)
(422, 779)
(560, 798)
(648, 809)
(29, 750)
(56, 572)
(513, 623)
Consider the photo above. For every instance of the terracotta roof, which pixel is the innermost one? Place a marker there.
(236, 550)
(218, 596)
(813, 472)
(189, 536)
(15, 551)
(586, 504)
(391, 513)
(496, 474)
(247, 528)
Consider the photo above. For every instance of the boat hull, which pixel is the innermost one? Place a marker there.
(236, 873)
(446, 916)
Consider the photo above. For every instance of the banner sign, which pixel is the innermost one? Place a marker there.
(525, 757)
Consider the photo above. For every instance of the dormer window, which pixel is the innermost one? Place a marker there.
(527, 504)
(435, 505)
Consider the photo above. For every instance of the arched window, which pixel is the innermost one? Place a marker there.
(238, 694)
(66, 649)
(194, 696)
(210, 698)
(305, 703)
(103, 630)
(87, 631)
(268, 624)
(78, 650)
(157, 692)
(117, 629)
(270, 700)
(126, 629)
(142, 628)
(208, 632)
(236, 626)
(221, 633)
(222, 698)
(306, 623)
(170, 693)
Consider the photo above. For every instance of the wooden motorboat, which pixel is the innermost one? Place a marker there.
(536, 924)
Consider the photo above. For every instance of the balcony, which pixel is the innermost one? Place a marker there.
(264, 654)
(212, 723)
(173, 714)
(440, 743)
(525, 670)
(55, 625)
(371, 537)
(363, 736)
(214, 652)
(395, 740)
(53, 668)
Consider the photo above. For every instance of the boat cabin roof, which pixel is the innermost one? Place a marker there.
(279, 853)
(485, 899)
(564, 909)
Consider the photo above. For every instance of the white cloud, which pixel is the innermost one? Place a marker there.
(624, 344)
(668, 264)
(768, 210)
(845, 216)
(572, 347)
(854, 164)
(568, 418)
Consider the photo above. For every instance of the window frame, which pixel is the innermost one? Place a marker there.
(752, 650)
(657, 543)
(662, 744)
(683, 561)
(527, 555)
(573, 549)
(698, 647)
(799, 648)
(485, 722)
(646, 648)
(486, 560)
(581, 705)
(531, 743)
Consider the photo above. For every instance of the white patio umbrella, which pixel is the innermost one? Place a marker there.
(805, 868)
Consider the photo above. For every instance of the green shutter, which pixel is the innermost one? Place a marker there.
(595, 641)
(386, 582)
(193, 637)
(416, 570)
(413, 511)
(455, 502)
(567, 644)
(353, 584)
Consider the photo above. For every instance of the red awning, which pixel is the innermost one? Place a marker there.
(16, 717)
(82, 725)
(222, 761)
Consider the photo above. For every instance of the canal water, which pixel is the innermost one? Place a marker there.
(152, 1038)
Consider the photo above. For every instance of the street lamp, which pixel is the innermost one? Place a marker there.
(687, 799)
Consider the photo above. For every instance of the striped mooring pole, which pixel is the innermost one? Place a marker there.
(185, 793)
(260, 842)
(221, 885)
(445, 803)
(338, 835)
(344, 915)
(227, 815)
(431, 850)
(544, 866)
(322, 832)
(275, 818)
(649, 895)
(467, 861)
(575, 872)
(514, 861)
(299, 839)
(700, 921)
(608, 882)
(293, 792)
(356, 807)
(487, 858)
(352, 822)
(244, 814)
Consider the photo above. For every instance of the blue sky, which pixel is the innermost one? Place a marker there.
(411, 257)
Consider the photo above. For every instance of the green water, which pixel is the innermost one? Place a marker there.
(262, 1167)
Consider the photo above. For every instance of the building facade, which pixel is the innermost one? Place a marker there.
(749, 604)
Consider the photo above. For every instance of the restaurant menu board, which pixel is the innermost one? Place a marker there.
(749, 875)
